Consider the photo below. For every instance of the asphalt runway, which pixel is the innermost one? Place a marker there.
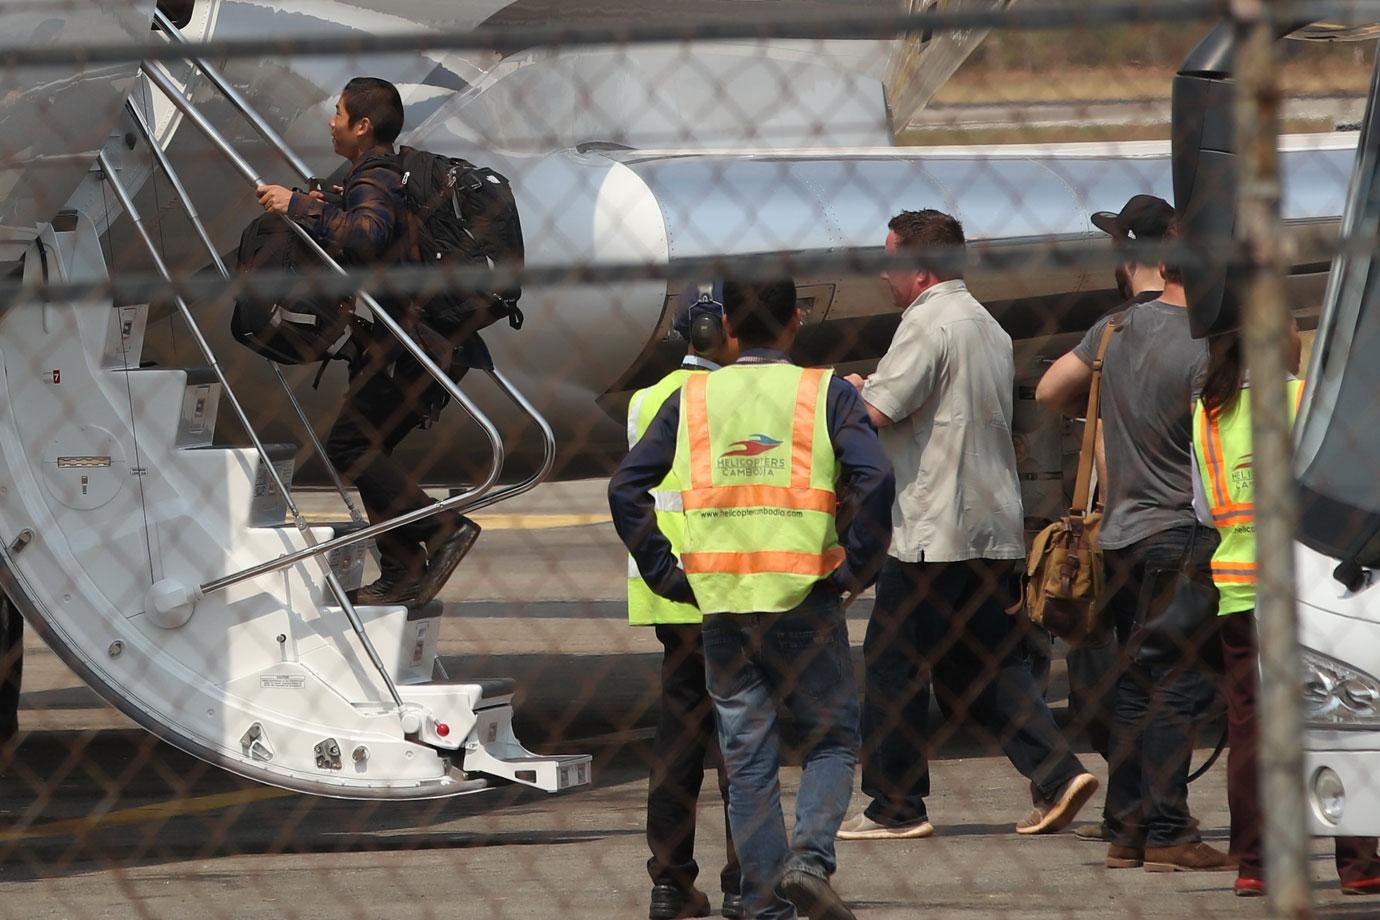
(100, 820)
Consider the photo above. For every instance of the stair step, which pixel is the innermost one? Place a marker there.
(183, 402)
(491, 689)
(348, 561)
(268, 508)
(124, 342)
(200, 405)
(550, 773)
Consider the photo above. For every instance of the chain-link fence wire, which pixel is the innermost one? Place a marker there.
(648, 154)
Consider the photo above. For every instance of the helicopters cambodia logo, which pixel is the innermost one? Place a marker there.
(752, 447)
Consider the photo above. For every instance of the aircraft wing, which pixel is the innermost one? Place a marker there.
(923, 62)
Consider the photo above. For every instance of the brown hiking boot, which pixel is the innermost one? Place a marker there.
(390, 589)
(1124, 857)
(1188, 857)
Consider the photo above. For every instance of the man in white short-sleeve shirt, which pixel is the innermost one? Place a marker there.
(942, 399)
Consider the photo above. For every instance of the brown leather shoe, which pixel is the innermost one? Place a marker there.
(1188, 857)
(1124, 857)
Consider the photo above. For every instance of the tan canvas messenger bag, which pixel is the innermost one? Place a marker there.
(1064, 573)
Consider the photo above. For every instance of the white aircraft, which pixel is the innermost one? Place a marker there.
(154, 558)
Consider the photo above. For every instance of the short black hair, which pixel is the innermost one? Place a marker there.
(759, 311)
(925, 229)
(378, 101)
(1169, 267)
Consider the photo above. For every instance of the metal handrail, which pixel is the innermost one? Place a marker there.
(456, 502)
(126, 202)
(298, 165)
(183, 196)
(548, 439)
(235, 98)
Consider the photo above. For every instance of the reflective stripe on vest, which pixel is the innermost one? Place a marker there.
(757, 470)
(1222, 445)
(645, 606)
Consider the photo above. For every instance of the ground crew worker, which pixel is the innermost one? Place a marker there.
(685, 732)
(1224, 497)
(770, 457)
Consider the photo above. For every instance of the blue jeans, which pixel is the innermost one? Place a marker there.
(1155, 707)
(800, 659)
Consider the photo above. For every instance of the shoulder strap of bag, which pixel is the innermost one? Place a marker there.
(1085, 454)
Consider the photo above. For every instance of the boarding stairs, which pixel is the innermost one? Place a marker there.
(179, 578)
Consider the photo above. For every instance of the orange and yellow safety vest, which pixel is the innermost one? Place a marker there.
(646, 607)
(757, 472)
(1222, 448)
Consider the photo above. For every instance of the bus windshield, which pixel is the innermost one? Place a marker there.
(1338, 455)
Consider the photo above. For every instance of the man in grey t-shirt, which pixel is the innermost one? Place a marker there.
(1151, 371)
(942, 400)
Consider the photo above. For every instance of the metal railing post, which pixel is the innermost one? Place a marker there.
(1265, 319)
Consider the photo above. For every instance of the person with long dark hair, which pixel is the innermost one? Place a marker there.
(1224, 494)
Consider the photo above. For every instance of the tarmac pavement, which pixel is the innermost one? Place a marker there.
(99, 820)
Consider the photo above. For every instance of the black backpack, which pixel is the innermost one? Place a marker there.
(301, 327)
(464, 215)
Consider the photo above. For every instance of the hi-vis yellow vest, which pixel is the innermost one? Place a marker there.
(645, 606)
(1222, 446)
(757, 473)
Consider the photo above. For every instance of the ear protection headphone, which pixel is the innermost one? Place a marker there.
(706, 325)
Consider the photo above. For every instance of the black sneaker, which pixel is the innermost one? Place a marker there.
(444, 551)
(813, 897)
(733, 907)
(389, 589)
(670, 902)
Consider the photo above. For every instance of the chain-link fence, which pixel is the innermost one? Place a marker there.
(309, 419)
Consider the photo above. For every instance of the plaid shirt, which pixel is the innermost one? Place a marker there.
(367, 224)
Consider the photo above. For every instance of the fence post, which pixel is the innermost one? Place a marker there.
(1265, 318)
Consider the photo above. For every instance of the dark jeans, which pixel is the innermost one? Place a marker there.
(685, 736)
(11, 667)
(798, 659)
(947, 622)
(1093, 670)
(1155, 707)
(1356, 857)
(376, 416)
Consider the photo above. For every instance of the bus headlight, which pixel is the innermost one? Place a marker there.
(1336, 695)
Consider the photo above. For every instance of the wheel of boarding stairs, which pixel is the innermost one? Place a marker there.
(115, 506)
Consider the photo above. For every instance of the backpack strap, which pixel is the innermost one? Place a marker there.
(389, 161)
(1083, 481)
(346, 348)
